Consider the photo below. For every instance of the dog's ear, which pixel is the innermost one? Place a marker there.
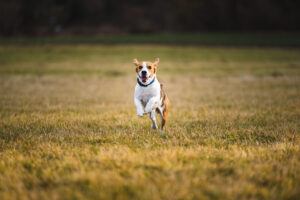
(136, 62)
(156, 61)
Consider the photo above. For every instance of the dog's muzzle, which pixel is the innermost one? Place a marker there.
(144, 76)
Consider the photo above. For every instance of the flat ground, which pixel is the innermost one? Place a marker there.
(68, 128)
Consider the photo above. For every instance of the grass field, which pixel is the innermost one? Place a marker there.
(68, 128)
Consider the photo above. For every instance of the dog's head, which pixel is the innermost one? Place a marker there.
(146, 70)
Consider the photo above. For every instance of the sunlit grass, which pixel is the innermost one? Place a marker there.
(68, 128)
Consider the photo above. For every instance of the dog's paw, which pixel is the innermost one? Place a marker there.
(140, 113)
(154, 126)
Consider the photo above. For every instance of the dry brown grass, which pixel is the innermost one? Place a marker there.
(68, 128)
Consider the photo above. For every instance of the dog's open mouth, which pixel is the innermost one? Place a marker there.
(144, 79)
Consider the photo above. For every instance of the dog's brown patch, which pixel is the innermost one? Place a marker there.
(151, 66)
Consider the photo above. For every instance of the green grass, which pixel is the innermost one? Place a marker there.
(68, 128)
(282, 39)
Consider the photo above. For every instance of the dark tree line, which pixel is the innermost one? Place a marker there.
(40, 17)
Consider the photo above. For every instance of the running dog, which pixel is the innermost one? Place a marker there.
(149, 96)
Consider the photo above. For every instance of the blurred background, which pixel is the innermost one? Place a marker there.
(85, 17)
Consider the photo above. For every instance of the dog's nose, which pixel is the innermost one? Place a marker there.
(144, 72)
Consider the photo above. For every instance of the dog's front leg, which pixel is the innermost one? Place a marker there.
(152, 104)
(153, 119)
(139, 107)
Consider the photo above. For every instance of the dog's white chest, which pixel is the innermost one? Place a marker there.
(146, 93)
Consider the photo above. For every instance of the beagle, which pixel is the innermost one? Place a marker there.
(149, 96)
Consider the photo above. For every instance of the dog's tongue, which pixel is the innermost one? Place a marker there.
(144, 79)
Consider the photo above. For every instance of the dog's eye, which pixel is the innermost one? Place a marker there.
(149, 67)
(140, 67)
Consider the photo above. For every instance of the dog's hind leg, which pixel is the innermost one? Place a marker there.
(163, 117)
(164, 111)
(153, 119)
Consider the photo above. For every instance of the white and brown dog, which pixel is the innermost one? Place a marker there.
(149, 96)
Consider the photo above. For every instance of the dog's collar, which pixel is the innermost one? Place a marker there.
(143, 85)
